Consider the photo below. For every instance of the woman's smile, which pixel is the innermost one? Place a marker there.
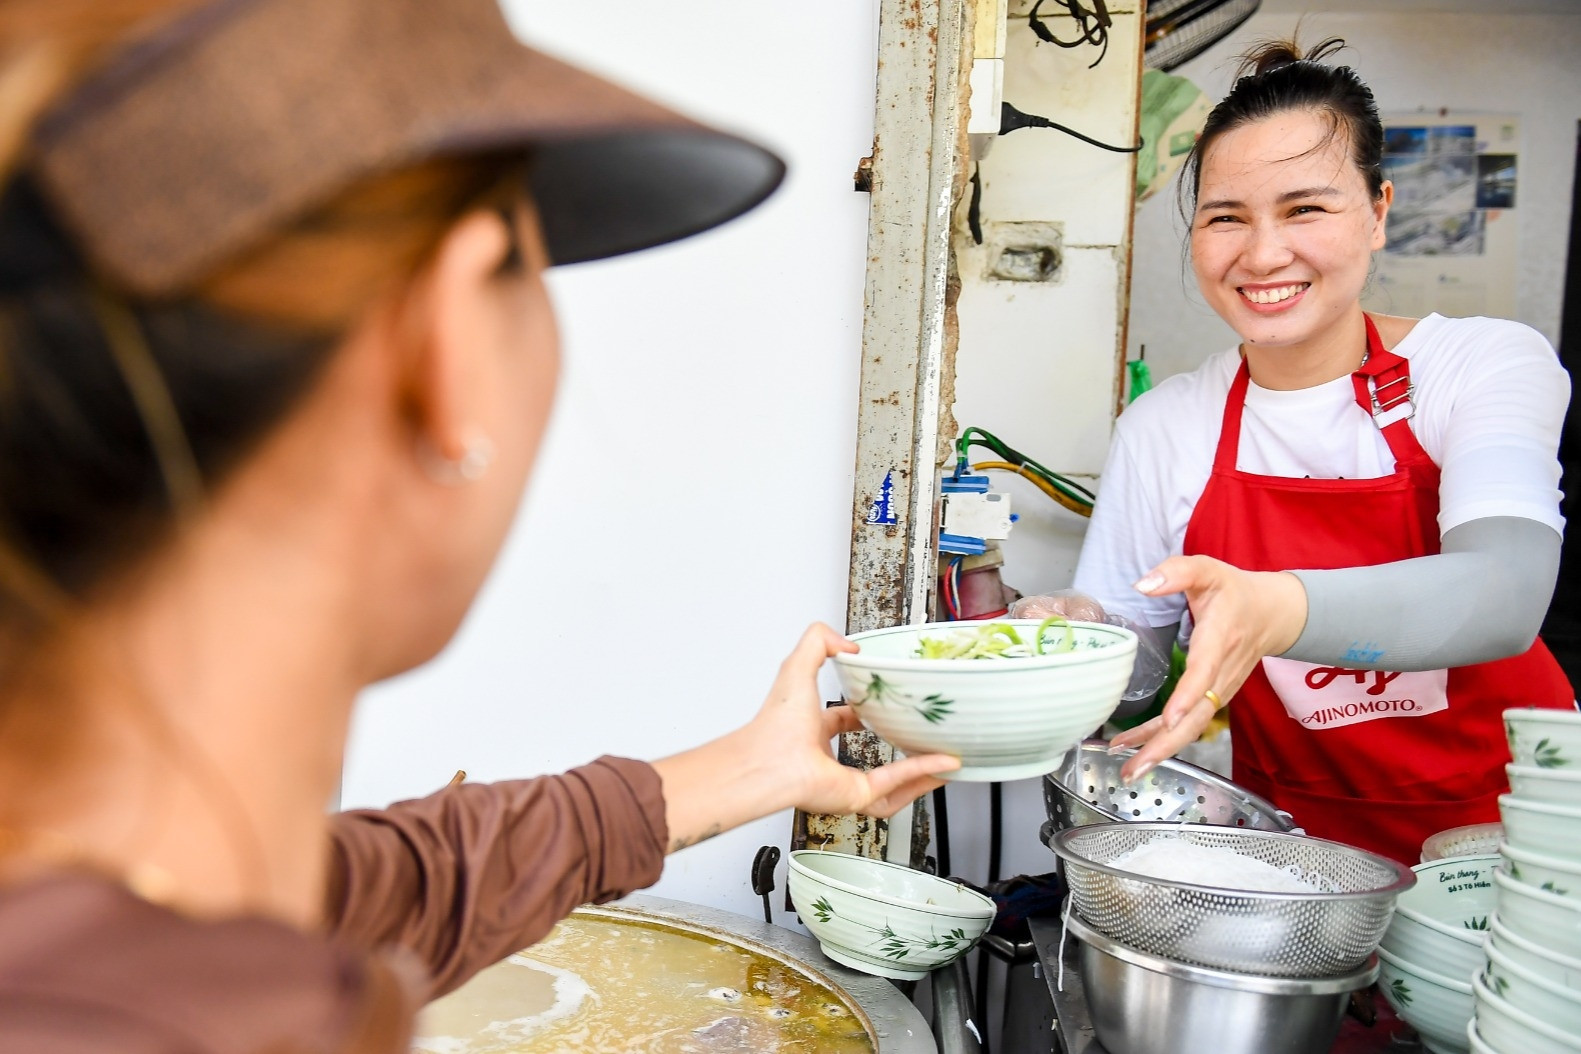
(1267, 299)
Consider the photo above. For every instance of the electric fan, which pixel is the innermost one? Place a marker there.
(1178, 30)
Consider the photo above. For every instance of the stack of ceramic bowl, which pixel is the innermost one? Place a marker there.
(1435, 947)
(1528, 1000)
(1478, 839)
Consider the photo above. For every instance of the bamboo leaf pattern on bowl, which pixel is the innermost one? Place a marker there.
(898, 947)
(1555, 890)
(1548, 755)
(1401, 990)
(932, 708)
(1515, 872)
(1476, 924)
(1500, 985)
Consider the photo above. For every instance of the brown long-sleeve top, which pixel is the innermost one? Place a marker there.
(422, 895)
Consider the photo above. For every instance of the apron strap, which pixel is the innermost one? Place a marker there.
(1229, 449)
(1384, 389)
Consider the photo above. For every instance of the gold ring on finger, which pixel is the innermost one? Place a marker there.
(1213, 697)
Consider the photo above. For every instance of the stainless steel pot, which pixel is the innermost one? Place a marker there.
(482, 1015)
(1145, 1004)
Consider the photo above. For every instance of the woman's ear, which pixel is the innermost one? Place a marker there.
(450, 321)
(1380, 213)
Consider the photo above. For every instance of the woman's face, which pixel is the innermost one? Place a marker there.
(1284, 229)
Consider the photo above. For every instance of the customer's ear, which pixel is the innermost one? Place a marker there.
(450, 320)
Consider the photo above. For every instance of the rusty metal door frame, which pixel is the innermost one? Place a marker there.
(915, 176)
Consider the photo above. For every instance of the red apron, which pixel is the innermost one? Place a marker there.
(1374, 759)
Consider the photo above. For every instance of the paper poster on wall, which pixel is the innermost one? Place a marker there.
(1452, 236)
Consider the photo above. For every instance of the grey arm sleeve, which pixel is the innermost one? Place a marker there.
(1482, 598)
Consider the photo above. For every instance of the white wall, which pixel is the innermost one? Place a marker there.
(691, 510)
(1524, 64)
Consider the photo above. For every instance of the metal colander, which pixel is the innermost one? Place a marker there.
(1087, 788)
(1274, 934)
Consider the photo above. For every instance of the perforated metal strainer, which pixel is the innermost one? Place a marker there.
(1274, 934)
(1087, 788)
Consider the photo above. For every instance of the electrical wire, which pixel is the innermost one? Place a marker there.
(941, 831)
(1075, 505)
(1012, 119)
(1063, 489)
(1094, 26)
(974, 211)
(949, 588)
(996, 829)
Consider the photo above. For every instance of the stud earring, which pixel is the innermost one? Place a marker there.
(470, 467)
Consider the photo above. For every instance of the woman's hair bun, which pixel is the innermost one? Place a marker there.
(1271, 55)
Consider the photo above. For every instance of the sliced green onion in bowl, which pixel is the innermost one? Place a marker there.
(995, 640)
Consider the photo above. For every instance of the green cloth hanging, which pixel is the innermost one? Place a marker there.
(1174, 111)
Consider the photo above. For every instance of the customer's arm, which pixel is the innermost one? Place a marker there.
(468, 875)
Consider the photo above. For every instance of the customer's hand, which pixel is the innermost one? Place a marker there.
(783, 758)
(796, 729)
(1240, 616)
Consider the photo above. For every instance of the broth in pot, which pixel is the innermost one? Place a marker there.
(599, 982)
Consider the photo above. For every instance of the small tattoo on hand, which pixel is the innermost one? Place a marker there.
(684, 842)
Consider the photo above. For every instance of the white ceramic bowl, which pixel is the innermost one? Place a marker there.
(1005, 719)
(1542, 961)
(1441, 923)
(883, 918)
(1438, 1007)
(1542, 827)
(1545, 919)
(1555, 1004)
(1478, 1044)
(1555, 786)
(1476, 839)
(1511, 1030)
(1551, 874)
(1549, 739)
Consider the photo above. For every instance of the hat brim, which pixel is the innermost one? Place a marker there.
(602, 197)
(612, 172)
(233, 123)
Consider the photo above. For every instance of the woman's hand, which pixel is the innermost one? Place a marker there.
(1066, 603)
(783, 758)
(1240, 617)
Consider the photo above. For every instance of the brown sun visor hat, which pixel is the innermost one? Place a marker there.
(243, 115)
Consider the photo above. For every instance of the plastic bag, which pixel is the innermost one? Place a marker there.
(1066, 603)
(1152, 662)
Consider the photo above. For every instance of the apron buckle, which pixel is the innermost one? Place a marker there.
(1389, 407)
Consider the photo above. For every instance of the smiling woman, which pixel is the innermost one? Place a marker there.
(1340, 493)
